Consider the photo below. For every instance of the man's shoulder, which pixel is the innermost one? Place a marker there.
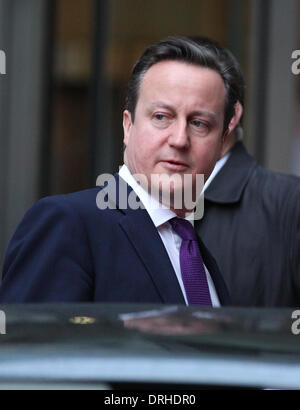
(273, 179)
(75, 212)
(279, 190)
(71, 206)
(80, 199)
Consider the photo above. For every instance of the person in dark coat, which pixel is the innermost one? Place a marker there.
(251, 225)
(251, 220)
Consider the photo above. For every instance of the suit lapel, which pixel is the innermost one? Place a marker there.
(145, 239)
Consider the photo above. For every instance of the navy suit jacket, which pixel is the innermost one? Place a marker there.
(67, 250)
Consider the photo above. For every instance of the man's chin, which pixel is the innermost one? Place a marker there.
(176, 197)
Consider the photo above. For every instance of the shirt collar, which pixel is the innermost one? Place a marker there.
(219, 165)
(159, 213)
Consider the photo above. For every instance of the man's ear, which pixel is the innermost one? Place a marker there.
(127, 124)
(236, 118)
(228, 138)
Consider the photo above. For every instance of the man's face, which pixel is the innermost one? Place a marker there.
(178, 122)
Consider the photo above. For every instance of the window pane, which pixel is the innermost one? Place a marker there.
(69, 147)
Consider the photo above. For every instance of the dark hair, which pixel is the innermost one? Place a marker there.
(198, 51)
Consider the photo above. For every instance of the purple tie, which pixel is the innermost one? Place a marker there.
(191, 264)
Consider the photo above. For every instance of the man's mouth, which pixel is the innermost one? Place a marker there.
(174, 165)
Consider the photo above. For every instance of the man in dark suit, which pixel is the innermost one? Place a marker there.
(180, 107)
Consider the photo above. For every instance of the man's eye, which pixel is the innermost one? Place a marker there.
(160, 117)
(198, 123)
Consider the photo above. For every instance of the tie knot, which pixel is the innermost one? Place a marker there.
(183, 228)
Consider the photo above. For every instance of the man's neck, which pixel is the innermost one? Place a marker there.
(219, 165)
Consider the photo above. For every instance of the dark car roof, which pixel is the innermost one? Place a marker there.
(172, 345)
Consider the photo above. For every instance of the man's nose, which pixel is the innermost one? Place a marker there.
(179, 135)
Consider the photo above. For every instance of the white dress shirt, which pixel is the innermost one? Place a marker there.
(160, 216)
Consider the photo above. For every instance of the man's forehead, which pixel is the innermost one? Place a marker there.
(167, 85)
(166, 74)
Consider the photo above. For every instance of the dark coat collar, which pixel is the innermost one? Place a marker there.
(228, 185)
(145, 238)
